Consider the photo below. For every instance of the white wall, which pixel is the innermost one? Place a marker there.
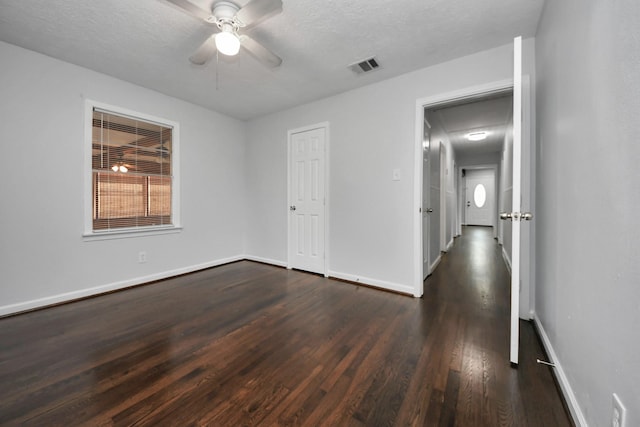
(478, 160)
(372, 133)
(588, 271)
(43, 258)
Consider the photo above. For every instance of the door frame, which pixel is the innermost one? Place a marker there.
(443, 154)
(424, 202)
(466, 94)
(290, 133)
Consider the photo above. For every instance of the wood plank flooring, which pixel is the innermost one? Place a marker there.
(252, 344)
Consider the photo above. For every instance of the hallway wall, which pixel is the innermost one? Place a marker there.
(588, 177)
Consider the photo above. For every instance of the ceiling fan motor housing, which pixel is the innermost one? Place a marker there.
(225, 12)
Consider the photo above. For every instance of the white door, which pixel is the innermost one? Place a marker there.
(307, 200)
(426, 199)
(516, 215)
(480, 197)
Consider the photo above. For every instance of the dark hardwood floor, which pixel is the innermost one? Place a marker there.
(251, 344)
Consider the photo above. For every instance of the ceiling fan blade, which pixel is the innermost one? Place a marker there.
(258, 10)
(192, 9)
(205, 52)
(260, 52)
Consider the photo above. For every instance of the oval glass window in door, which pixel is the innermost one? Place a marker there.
(479, 195)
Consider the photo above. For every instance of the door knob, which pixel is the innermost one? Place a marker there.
(505, 215)
(527, 216)
(292, 208)
(429, 210)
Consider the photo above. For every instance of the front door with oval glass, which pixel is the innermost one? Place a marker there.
(480, 197)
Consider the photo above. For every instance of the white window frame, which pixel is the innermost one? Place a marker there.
(89, 232)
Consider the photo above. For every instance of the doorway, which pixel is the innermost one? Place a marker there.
(521, 173)
(447, 152)
(480, 202)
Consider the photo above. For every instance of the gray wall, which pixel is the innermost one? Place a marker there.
(43, 257)
(588, 199)
(372, 132)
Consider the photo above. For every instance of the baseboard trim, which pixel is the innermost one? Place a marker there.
(449, 245)
(435, 263)
(21, 307)
(66, 297)
(563, 381)
(507, 259)
(266, 260)
(403, 289)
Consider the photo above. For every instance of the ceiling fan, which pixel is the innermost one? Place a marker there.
(230, 19)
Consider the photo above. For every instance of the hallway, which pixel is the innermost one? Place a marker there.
(470, 292)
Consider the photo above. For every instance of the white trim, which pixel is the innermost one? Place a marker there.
(418, 160)
(565, 386)
(405, 289)
(450, 244)
(266, 261)
(97, 290)
(507, 261)
(89, 233)
(290, 133)
(435, 263)
(125, 234)
(429, 102)
(442, 156)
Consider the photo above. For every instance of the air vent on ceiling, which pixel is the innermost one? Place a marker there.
(365, 66)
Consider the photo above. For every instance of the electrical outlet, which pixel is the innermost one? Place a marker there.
(142, 257)
(619, 413)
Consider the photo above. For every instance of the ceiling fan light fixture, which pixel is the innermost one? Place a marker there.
(119, 167)
(227, 43)
(477, 136)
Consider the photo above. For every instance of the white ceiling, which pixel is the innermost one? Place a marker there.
(492, 115)
(148, 42)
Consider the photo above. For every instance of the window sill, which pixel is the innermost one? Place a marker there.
(129, 233)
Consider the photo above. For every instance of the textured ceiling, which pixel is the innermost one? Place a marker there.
(148, 42)
(492, 115)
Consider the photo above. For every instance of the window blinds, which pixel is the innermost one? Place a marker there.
(131, 165)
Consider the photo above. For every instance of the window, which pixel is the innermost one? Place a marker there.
(132, 166)
(479, 195)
